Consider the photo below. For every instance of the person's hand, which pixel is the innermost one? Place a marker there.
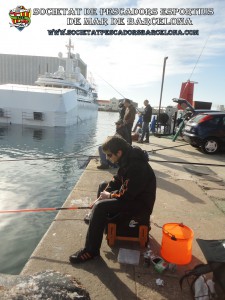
(104, 195)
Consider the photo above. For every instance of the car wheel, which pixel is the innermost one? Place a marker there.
(210, 145)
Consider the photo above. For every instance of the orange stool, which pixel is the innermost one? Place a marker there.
(113, 235)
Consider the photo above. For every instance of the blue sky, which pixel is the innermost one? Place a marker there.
(133, 65)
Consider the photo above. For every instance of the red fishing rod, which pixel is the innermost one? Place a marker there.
(43, 209)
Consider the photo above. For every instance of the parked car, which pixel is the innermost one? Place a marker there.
(207, 131)
(187, 112)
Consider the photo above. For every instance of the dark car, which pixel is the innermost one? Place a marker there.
(207, 131)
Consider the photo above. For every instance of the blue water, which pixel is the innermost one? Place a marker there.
(42, 182)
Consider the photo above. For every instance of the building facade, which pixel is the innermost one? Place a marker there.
(25, 69)
(111, 105)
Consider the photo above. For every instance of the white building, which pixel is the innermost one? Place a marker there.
(111, 105)
(108, 105)
(25, 69)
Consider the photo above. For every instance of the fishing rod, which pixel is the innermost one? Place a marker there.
(43, 209)
(49, 158)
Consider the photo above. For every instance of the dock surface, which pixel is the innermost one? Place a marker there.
(186, 193)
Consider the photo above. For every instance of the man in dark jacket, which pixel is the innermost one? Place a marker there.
(147, 116)
(132, 190)
(129, 117)
(122, 109)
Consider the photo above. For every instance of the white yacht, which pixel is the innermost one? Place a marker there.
(62, 98)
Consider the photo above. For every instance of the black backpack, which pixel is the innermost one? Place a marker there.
(214, 252)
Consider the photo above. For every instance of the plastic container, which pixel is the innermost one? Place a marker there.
(176, 244)
(159, 264)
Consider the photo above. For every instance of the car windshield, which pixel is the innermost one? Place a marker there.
(197, 118)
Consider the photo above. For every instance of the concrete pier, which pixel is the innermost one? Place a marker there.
(187, 193)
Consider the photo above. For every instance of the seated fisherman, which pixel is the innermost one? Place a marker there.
(132, 190)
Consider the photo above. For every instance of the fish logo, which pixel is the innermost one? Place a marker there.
(20, 16)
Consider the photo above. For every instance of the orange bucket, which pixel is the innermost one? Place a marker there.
(176, 244)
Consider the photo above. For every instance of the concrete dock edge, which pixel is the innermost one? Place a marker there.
(184, 195)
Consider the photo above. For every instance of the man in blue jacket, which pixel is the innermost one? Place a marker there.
(132, 190)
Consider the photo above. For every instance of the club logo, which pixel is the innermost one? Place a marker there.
(20, 17)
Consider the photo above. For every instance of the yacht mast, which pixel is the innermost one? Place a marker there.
(69, 47)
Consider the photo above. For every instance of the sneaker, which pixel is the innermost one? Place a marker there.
(140, 142)
(103, 167)
(145, 141)
(87, 218)
(81, 256)
(114, 166)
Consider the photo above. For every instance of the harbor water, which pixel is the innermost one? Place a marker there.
(37, 170)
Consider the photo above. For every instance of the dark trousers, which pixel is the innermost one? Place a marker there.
(99, 218)
(129, 130)
(145, 131)
(101, 213)
(98, 221)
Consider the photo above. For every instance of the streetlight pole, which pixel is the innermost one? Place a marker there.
(163, 74)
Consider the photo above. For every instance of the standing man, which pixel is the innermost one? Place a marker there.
(132, 190)
(147, 116)
(129, 117)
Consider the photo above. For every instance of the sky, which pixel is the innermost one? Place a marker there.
(131, 66)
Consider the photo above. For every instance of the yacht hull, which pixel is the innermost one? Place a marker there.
(44, 106)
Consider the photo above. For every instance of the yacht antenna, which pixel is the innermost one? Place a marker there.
(69, 47)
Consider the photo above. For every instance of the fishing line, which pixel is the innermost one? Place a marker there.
(110, 85)
(96, 157)
(153, 151)
(195, 65)
(87, 148)
(89, 157)
(186, 163)
(75, 155)
(199, 56)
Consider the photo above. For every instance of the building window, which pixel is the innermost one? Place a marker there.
(38, 116)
